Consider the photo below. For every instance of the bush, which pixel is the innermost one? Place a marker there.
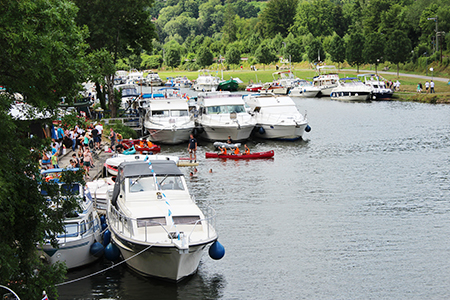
(72, 119)
(119, 127)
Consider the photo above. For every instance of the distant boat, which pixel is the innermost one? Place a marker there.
(228, 85)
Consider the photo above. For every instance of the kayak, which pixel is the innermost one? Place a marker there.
(254, 155)
(130, 143)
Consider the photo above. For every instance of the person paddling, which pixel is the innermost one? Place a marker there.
(246, 150)
(236, 150)
(223, 150)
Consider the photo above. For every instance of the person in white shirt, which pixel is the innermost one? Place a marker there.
(427, 86)
(431, 86)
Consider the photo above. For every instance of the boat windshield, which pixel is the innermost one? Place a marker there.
(171, 113)
(225, 109)
(179, 113)
(145, 184)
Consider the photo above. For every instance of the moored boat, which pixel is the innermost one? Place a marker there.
(351, 89)
(304, 88)
(155, 222)
(277, 117)
(223, 115)
(326, 80)
(111, 164)
(79, 244)
(254, 155)
(379, 89)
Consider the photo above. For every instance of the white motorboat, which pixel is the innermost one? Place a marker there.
(120, 77)
(135, 77)
(153, 79)
(206, 82)
(168, 121)
(182, 82)
(277, 117)
(129, 94)
(79, 244)
(304, 88)
(379, 89)
(155, 222)
(222, 114)
(111, 164)
(351, 89)
(326, 80)
(282, 82)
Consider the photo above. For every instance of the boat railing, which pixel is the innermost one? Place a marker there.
(124, 225)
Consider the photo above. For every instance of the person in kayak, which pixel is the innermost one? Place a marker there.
(236, 151)
(223, 150)
(246, 151)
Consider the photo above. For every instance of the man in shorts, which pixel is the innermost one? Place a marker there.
(192, 148)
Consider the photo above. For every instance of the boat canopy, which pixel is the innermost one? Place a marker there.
(141, 168)
(169, 104)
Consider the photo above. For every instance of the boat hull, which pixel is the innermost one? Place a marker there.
(280, 132)
(221, 133)
(303, 93)
(169, 136)
(74, 253)
(350, 96)
(255, 155)
(161, 262)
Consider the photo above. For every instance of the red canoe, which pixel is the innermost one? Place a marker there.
(129, 143)
(254, 155)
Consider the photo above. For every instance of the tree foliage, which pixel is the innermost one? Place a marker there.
(43, 59)
(355, 47)
(398, 47)
(204, 56)
(277, 17)
(233, 56)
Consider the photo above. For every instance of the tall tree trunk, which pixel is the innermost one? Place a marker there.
(111, 96)
(100, 95)
(397, 70)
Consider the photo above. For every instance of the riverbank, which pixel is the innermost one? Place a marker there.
(435, 98)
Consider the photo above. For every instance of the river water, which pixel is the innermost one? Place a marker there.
(357, 210)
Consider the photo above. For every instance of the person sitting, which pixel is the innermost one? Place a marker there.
(141, 143)
(246, 151)
(236, 150)
(223, 150)
(149, 144)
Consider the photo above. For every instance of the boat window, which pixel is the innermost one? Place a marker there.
(185, 219)
(90, 220)
(70, 189)
(179, 113)
(129, 92)
(170, 182)
(82, 227)
(160, 113)
(236, 109)
(213, 110)
(142, 222)
(141, 184)
(70, 229)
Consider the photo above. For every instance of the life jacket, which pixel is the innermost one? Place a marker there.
(247, 151)
(236, 151)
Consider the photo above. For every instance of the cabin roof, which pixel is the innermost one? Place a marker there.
(142, 168)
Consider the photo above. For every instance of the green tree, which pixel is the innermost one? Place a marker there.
(373, 51)
(314, 17)
(151, 61)
(315, 51)
(355, 48)
(277, 17)
(204, 57)
(263, 54)
(43, 59)
(233, 56)
(337, 49)
(125, 28)
(398, 48)
(173, 57)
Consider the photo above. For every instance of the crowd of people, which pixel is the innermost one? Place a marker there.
(80, 140)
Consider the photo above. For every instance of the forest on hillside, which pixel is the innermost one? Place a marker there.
(194, 33)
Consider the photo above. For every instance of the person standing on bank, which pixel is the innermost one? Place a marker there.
(192, 148)
(431, 87)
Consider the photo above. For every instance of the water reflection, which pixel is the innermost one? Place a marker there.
(123, 283)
